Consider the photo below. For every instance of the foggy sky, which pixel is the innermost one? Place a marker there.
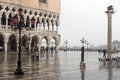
(87, 18)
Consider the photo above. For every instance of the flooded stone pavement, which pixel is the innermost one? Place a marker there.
(59, 66)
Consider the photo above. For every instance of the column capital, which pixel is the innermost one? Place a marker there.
(110, 11)
(109, 14)
(39, 42)
(30, 41)
(7, 14)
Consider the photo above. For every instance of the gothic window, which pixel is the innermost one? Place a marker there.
(27, 21)
(38, 21)
(10, 18)
(43, 1)
(3, 20)
(33, 22)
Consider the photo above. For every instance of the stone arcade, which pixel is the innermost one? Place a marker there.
(41, 16)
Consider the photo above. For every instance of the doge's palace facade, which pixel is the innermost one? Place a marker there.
(41, 16)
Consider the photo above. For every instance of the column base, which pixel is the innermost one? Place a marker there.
(82, 65)
(19, 72)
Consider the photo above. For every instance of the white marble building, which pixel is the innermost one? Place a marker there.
(43, 22)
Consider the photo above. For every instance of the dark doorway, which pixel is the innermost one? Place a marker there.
(12, 43)
(1, 43)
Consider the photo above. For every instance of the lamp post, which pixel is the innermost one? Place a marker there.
(18, 21)
(82, 64)
(66, 42)
(19, 26)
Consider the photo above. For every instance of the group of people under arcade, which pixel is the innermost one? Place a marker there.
(44, 50)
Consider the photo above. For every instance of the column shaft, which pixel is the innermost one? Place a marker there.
(5, 47)
(109, 13)
(109, 34)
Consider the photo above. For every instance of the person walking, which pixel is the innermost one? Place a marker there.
(104, 53)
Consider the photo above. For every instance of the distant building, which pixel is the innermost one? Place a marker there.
(41, 16)
(116, 45)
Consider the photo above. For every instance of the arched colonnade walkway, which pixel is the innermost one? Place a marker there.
(10, 42)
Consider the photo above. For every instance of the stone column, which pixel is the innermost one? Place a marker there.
(39, 47)
(40, 25)
(25, 19)
(48, 27)
(57, 29)
(57, 48)
(6, 21)
(30, 23)
(30, 45)
(109, 13)
(53, 27)
(48, 46)
(35, 25)
(44, 26)
(17, 45)
(57, 24)
(48, 53)
(5, 42)
(49, 24)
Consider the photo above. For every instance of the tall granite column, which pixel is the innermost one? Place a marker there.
(109, 13)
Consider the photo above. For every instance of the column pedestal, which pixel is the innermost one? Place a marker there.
(82, 65)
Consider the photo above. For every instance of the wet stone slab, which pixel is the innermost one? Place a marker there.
(59, 66)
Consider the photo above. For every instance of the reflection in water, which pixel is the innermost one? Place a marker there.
(66, 57)
(82, 74)
(48, 67)
(48, 58)
(55, 69)
(5, 63)
(61, 66)
(56, 66)
(56, 57)
(82, 70)
(110, 70)
(51, 54)
(48, 64)
(108, 65)
(19, 76)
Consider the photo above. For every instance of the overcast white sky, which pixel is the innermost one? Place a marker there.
(87, 18)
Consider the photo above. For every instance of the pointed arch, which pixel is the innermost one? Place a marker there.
(35, 41)
(1, 42)
(3, 19)
(24, 40)
(12, 43)
(46, 38)
(27, 21)
(9, 18)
